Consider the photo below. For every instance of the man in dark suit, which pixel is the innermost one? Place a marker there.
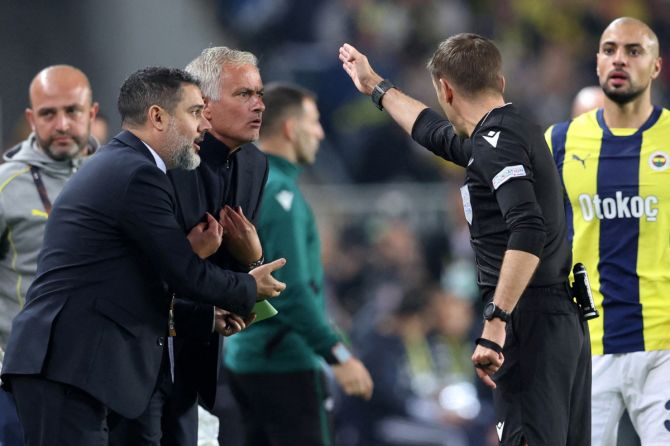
(91, 337)
(228, 183)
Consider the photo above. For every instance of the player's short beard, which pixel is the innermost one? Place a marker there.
(623, 97)
(182, 155)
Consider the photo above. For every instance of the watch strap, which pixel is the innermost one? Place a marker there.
(379, 91)
(339, 354)
(497, 313)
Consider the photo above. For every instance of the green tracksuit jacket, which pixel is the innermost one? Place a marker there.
(296, 338)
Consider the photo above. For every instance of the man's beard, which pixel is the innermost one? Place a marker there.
(622, 97)
(60, 153)
(181, 150)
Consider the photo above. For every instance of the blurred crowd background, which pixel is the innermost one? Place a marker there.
(401, 282)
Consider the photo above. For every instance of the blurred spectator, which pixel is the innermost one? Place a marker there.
(587, 99)
(419, 356)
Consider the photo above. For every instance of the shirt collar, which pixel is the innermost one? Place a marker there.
(159, 161)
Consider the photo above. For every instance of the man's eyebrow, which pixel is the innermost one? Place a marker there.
(45, 110)
(625, 45)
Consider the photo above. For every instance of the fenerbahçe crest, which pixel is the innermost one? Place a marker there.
(658, 161)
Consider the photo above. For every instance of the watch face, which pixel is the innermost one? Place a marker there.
(489, 308)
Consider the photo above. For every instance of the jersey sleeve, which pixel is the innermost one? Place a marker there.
(437, 135)
(505, 161)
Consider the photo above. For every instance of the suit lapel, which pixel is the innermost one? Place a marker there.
(191, 206)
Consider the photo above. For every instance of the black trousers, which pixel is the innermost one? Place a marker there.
(284, 409)
(57, 414)
(544, 386)
(150, 429)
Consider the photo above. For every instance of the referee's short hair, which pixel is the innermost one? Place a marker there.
(282, 100)
(471, 62)
(151, 86)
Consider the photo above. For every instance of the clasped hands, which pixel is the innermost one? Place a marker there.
(233, 230)
(239, 237)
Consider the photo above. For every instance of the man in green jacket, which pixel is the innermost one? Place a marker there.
(275, 367)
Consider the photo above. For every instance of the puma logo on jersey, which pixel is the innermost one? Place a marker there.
(285, 199)
(492, 137)
(583, 161)
(618, 206)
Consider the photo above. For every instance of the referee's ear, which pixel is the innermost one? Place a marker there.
(446, 91)
(502, 84)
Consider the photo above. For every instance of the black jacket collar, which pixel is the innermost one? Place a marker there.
(128, 138)
(214, 151)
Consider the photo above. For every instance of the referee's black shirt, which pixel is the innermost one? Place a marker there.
(512, 196)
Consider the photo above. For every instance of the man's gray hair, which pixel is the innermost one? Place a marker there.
(207, 67)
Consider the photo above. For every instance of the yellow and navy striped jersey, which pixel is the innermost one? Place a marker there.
(618, 209)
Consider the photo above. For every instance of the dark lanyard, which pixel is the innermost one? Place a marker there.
(39, 184)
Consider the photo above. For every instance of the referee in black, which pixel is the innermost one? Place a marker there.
(534, 350)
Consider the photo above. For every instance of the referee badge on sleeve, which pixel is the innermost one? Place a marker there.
(507, 174)
(467, 207)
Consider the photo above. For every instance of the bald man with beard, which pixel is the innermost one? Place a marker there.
(60, 115)
(33, 174)
(614, 163)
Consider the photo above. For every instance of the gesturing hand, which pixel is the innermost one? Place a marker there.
(205, 237)
(227, 323)
(358, 68)
(239, 235)
(266, 285)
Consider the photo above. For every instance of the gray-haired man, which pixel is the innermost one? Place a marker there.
(228, 183)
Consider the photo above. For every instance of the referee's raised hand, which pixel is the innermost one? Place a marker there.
(358, 67)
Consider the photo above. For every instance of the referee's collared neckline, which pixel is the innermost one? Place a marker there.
(481, 121)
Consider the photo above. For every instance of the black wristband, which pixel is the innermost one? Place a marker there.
(489, 344)
(379, 91)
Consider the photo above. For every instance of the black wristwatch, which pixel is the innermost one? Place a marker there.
(379, 91)
(491, 310)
